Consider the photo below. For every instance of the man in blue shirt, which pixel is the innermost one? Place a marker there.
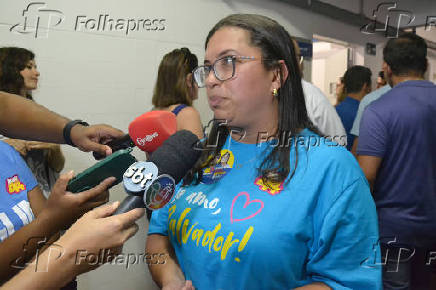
(357, 83)
(397, 152)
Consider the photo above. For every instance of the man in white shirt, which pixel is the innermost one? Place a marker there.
(322, 114)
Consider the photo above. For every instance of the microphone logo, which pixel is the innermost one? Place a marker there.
(139, 176)
(146, 139)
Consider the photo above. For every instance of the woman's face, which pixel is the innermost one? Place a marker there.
(30, 75)
(246, 99)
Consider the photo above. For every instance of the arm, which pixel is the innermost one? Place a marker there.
(168, 273)
(314, 286)
(94, 231)
(354, 148)
(19, 145)
(189, 119)
(24, 119)
(372, 144)
(370, 166)
(60, 210)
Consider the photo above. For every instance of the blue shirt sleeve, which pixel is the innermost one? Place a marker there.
(373, 134)
(159, 221)
(345, 254)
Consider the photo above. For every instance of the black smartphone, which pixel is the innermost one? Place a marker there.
(113, 165)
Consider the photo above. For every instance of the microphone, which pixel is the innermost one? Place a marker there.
(152, 184)
(147, 132)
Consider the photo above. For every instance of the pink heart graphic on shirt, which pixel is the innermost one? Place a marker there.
(246, 204)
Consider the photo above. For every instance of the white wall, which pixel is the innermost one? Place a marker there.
(109, 76)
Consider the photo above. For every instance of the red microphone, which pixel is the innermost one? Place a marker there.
(151, 129)
(147, 132)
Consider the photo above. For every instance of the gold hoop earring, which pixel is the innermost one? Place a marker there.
(275, 93)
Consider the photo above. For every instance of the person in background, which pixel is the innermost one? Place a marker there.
(19, 75)
(397, 153)
(320, 111)
(175, 89)
(381, 81)
(357, 83)
(299, 215)
(368, 99)
(340, 91)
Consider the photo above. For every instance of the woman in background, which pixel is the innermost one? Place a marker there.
(19, 75)
(175, 89)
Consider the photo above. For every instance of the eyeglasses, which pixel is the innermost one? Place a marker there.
(223, 69)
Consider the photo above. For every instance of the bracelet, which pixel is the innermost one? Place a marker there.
(67, 130)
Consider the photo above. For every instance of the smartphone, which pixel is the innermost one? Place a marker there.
(113, 165)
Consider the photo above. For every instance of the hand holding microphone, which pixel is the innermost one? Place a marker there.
(147, 132)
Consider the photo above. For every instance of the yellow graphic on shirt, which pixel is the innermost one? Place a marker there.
(272, 188)
(221, 165)
(14, 185)
(205, 238)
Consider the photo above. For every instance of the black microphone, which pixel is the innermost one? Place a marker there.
(116, 144)
(173, 159)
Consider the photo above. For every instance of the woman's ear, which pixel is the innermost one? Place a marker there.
(189, 80)
(281, 73)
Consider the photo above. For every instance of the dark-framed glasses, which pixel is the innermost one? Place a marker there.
(223, 69)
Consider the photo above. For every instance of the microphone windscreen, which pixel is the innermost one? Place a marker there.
(177, 155)
(151, 129)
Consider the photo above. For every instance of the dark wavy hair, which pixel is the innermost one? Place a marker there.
(276, 44)
(171, 85)
(406, 54)
(356, 77)
(12, 61)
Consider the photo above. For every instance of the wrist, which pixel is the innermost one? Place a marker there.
(48, 221)
(69, 128)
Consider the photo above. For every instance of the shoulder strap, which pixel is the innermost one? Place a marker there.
(178, 109)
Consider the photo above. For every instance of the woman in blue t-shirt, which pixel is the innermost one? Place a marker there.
(272, 205)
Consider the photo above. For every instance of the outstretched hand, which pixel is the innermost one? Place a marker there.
(94, 137)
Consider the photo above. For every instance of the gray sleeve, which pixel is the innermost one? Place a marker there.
(355, 129)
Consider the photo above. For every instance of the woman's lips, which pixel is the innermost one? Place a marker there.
(215, 101)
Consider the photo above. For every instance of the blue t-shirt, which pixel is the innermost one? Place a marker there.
(16, 180)
(400, 128)
(233, 232)
(347, 111)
